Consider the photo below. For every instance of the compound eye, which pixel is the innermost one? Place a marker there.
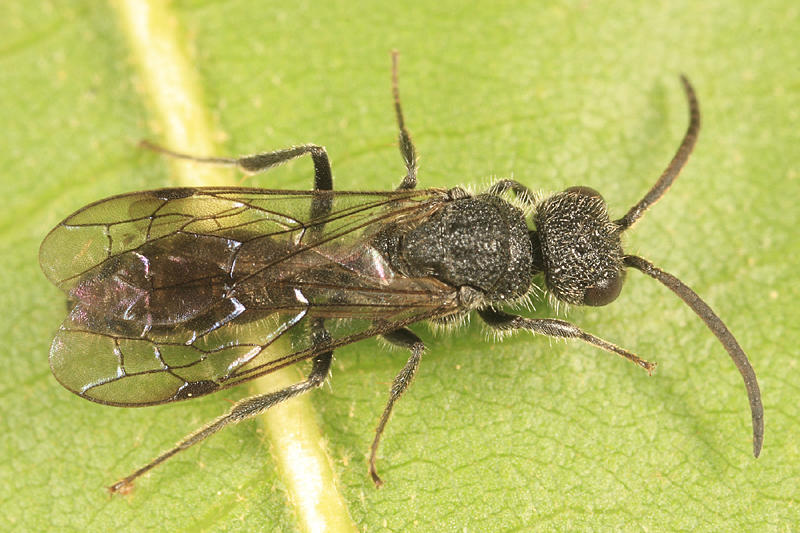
(585, 191)
(604, 292)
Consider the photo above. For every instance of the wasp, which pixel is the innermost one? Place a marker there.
(177, 293)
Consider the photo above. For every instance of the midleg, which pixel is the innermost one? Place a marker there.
(404, 338)
(407, 149)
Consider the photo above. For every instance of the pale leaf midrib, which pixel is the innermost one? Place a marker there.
(171, 86)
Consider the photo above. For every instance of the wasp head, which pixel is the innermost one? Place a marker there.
(578, 247)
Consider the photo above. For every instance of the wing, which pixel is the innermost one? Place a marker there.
(181, 292)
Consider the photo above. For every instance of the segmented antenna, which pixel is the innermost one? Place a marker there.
(675, 166)
(700, 308)
(722, 333)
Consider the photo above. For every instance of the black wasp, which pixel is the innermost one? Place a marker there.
(182, 292)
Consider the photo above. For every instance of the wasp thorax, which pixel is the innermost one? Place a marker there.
(580, 247)
(480, 242)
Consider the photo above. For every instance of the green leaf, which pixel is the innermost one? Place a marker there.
(522, 434)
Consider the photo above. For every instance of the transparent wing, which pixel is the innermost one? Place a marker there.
(181, 292)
